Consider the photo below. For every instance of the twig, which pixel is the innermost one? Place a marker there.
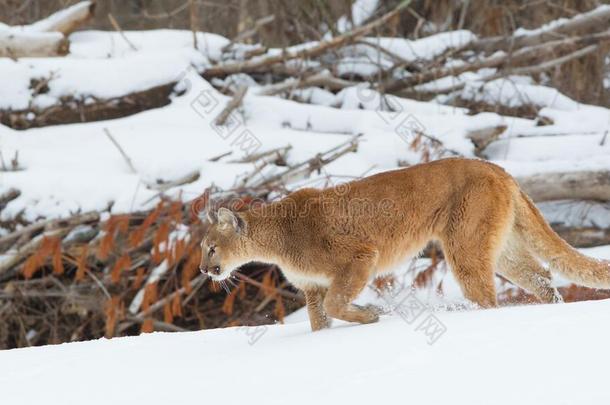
(231, 105)
(188, 178)
(283, 293)
(194, 19)
(125, 156)
(261, 22)
(117, 28)
(304, 168)
(218, 157)
(324, 79)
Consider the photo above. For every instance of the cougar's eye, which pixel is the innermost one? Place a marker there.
(211, 251)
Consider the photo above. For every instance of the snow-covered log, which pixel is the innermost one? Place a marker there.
(64, 21)
(18, 44)
(73, 110)
(581, 185)
(46, 37)
(591, 21)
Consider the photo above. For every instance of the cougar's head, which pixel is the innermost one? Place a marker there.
(222, 249)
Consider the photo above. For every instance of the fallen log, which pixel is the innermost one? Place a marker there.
(46, 37)
(16, 44)
(581, 185)
(598, 17)
(481, 138)
(77, 110)
(65, 21)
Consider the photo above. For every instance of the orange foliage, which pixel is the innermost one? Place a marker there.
(177, 306)
(147, 326)
(58, 265)
(137, 236)
(139, 278)
(279, 311)
(268, 287)
(123, 263)
(161, 237)
(116, 224)
(227, 306)
(31, 265)
(190, 269)
(168, 316)
(150, 296)
(175, 211)
(48, 247)
(114, 311)
(81, 264)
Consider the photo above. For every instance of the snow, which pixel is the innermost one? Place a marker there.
(527, 354)
(49, 23)
(161, 58)
(71, 168)
(507, 355)
(361, 11)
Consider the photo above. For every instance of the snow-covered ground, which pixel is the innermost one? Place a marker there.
(429, 350)
(542, 354)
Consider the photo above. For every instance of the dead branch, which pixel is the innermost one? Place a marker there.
(51, 224)
(322, 79)
(322, 47)
(121, 151)
(303, 169)
(231, 105)
(188, 178)
(117, 28)
(258, 24)
(8, 196)
(505, 61)
(598, 17)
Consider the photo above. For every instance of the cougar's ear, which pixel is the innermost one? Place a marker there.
(227, 219)
(212, 216)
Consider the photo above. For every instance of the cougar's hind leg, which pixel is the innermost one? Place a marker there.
(474, 273)
(476, 231)
(518, 265)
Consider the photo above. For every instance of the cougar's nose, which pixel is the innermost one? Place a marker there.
(216, 270)
(203, 269)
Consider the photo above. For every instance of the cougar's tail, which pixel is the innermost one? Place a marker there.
(562, 258)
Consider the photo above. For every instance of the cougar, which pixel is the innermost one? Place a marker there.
(329, 243)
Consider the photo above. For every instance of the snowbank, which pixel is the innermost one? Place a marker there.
(531, 355)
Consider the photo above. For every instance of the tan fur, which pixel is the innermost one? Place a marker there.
(331, 242)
